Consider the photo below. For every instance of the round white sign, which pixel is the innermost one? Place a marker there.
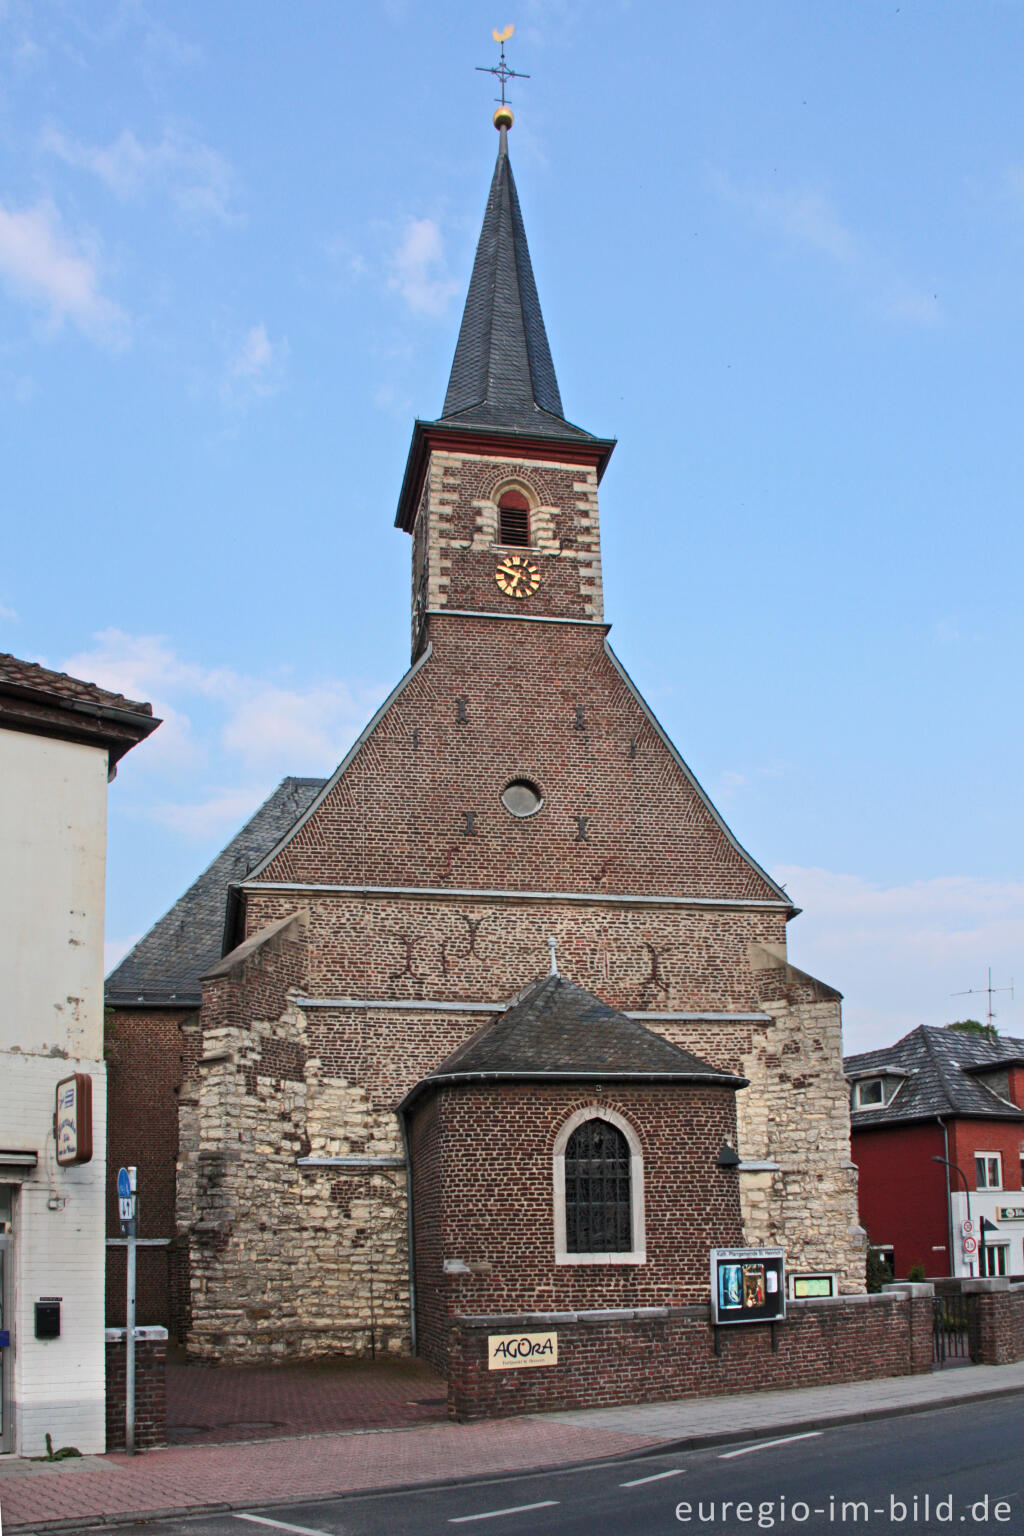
(967, 1228)
(970, 1247)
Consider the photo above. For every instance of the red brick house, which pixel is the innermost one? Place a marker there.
(941, 1093)
(373, 1062)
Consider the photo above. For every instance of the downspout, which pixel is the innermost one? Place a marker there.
(410, 1238)
(949, 1198)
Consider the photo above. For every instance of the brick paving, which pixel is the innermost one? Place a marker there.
(79, 1493)
(207, 1405)
(72, 1495)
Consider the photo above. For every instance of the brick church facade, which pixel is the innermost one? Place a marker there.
(498, 1019)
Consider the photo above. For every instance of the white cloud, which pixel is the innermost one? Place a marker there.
(809, 220)
(900, 953)
(256, 368)
(253, 727)
(224, 810)
(196, 177)
(419, 270)
(44, 265)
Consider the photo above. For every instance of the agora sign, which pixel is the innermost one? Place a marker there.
(511, 1351)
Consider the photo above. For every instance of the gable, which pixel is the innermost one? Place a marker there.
(417, 803)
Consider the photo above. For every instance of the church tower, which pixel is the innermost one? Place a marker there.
(500, 493)
(511, 919)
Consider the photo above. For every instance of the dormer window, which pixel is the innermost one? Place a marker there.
(869, 1093)
(513, 519)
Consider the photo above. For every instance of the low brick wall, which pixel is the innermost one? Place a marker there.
(150, 1388)
(656, 1354)
(997, 1326)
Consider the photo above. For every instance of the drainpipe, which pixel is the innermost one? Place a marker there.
(949, 1197)
(411, 1240)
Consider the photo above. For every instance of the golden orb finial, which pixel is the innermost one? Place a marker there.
(504, 117)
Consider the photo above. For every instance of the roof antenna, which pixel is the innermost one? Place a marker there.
(554, 963)
(990, 989)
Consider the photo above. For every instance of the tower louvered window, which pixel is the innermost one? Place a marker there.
(598, 1215)
(513, 519)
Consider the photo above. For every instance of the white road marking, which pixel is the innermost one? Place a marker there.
(762, 1445)
(492, 1514)
(281, 1525)
(655, 1477)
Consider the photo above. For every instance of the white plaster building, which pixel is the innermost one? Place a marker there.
(60, 740)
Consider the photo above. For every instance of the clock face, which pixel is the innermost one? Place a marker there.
(517, 577)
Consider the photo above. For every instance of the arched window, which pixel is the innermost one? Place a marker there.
(513, 518)
(597, 1204)
(599, 1190)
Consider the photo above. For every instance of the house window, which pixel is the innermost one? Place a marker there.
(994, 1259)
(513, 518)
(869, 1093)
(598, 1190)
(988, 1170)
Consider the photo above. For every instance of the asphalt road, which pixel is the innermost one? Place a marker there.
(954, 1469)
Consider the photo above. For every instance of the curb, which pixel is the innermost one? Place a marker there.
(658, 1448)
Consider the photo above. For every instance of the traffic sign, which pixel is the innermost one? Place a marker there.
(967, 1228)
(125, 1203)
(970, 1247)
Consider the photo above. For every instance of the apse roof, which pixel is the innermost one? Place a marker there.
(939, 1069)
(165, 965)
(556, 1031)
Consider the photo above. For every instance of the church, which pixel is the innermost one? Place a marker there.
(497, 1021)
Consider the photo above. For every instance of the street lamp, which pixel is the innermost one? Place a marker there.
(967, 1191)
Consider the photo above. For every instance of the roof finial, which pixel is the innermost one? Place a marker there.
(503, 118)
(554, 962)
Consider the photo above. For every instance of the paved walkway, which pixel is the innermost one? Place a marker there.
(207, 1405)
(73, 1495)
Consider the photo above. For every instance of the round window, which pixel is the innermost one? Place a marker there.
(521, 798)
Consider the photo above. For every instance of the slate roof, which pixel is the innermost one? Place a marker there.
(167, 962)
(939, 1065)
(502, 375)
(556, 1031)
(46, 703)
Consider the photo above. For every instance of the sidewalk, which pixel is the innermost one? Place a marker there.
(73, 1495)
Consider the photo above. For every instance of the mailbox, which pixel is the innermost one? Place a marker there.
(48, 1317)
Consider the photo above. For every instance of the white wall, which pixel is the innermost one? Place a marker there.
(53, 840)
(53, 808)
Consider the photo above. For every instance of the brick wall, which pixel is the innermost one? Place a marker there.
(483, 1191)
(150, 1389)
(627, 1359)
(539, 701)
(997, 1326)
(149, 1052)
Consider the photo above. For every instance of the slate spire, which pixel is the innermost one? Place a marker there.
(503, 376)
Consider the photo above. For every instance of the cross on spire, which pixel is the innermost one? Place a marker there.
(501, 69)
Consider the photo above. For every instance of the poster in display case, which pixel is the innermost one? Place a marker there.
(748, 1285)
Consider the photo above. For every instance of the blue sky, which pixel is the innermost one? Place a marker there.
(779, 250)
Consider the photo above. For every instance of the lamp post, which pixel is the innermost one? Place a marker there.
(967, 1191)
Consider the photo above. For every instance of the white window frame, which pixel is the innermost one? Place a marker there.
(997, 1157)
(869, 1082)
(1004, 1248)
(638, 1253)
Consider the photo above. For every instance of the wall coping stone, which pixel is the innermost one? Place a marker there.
(911, 1288)
(150, 1334)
